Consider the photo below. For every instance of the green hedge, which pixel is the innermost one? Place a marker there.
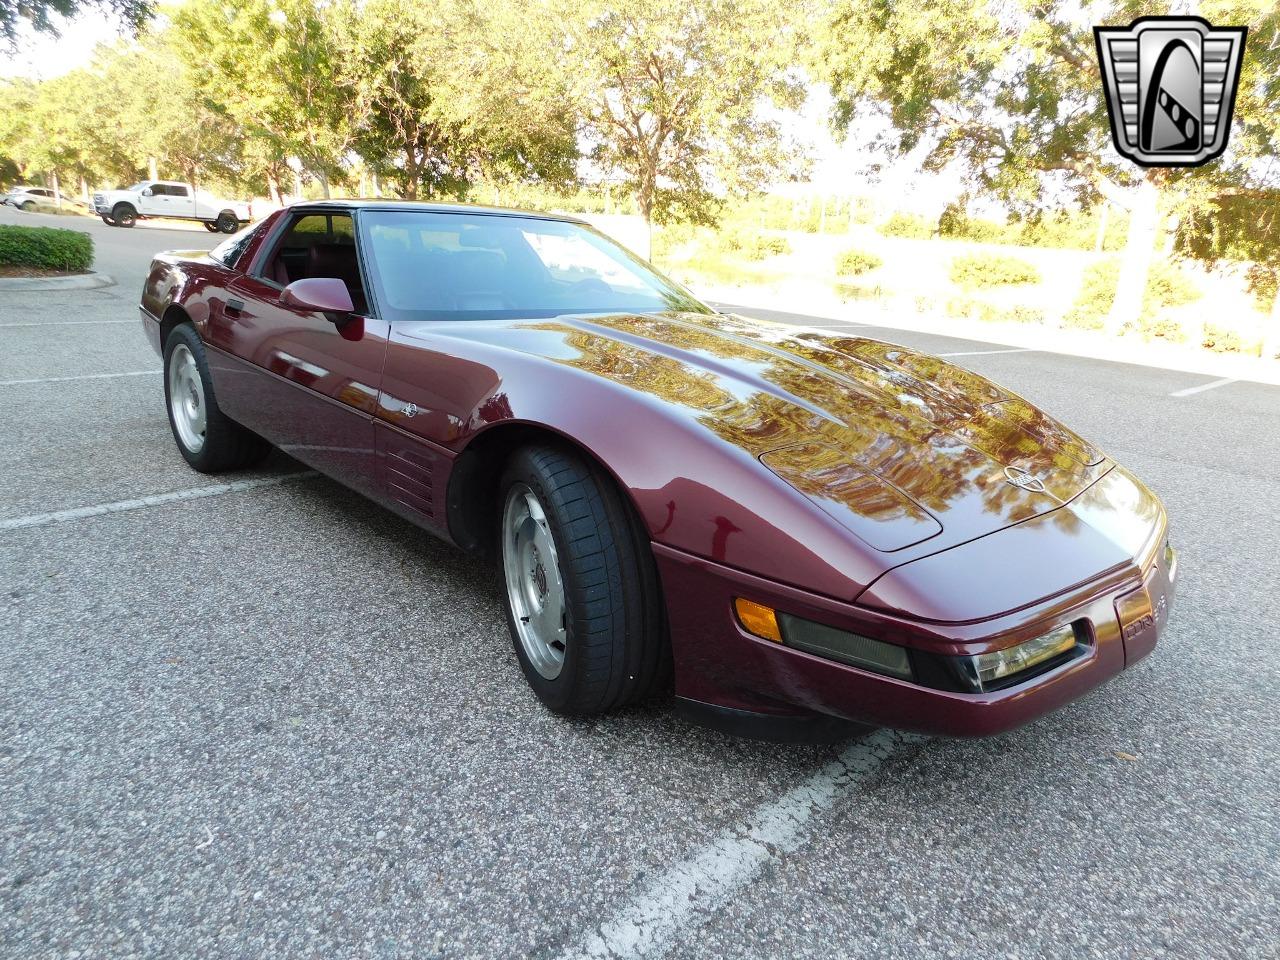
(981, 270)
(853, 262)
(47, 248)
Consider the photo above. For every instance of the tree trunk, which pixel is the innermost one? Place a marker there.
(323, 176)
(57, 191)
(412, 166)
(1135, 266)
(153, 168)
(273, 188)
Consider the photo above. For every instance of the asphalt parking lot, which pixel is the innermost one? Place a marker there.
(274, 721)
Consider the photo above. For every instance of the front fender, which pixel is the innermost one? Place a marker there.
(695, 489)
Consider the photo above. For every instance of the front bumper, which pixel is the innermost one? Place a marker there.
(719, 665)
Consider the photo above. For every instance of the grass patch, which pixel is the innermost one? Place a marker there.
(46, 248)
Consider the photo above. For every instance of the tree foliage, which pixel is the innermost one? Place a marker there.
(43, 15)
(1009, 93)
(674, 97)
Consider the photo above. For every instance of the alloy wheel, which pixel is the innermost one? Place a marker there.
(186, 398)
(535, 586)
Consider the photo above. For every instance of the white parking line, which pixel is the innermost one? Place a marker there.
(983, 353)
(687, 894)
(1203, 387)
(64, 323)
(155, 500)
(85, 376)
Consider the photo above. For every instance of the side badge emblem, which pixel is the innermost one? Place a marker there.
(411, 410)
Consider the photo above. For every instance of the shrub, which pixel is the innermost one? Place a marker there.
(1224, 340)
(751, 245)
(1167, 286)
(908, 225)
(45, 248)
(851, 263)
(983, 270)
(857, 290)
(971, 308)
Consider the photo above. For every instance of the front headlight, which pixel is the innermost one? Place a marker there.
(823, 641)
(985, 671)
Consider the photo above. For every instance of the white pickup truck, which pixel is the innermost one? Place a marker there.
(173, 201)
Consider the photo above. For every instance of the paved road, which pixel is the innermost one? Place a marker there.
(275, 722)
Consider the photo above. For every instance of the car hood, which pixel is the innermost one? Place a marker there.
(902, 448)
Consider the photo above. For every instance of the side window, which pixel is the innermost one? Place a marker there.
(229, 252)
(176, 191)
(317, 245)
(159, 190)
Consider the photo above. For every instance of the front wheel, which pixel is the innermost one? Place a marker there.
(27, 206)
(207, 439)
(583, 600)
(108, 221)
(124, 215)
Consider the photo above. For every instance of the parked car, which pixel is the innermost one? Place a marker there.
(28, 198)
(799, 525)
(172, 201)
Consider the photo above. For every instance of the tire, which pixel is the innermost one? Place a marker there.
(108, 221)
(124, 215)
(207, 439)
(27, 206)
(612, 643)
(227, 222)
(210, 226)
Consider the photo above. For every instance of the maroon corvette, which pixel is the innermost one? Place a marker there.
(797, 528)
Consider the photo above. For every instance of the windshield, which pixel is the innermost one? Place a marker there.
(465, 266)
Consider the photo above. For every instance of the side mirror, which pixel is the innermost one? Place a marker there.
(147, 192)
(326, 295)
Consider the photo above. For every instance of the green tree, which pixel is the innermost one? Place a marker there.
(268, 67)
(451, 92)
(1011, 94)
(675, 97)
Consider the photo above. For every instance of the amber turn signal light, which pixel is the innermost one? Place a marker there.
(758, 619)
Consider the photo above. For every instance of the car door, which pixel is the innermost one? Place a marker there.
(300, 379)
(152, 202)
(178, 202)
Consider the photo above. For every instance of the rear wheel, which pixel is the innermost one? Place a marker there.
(582, 594)
(210, 226)
(206, 437)
(124, 215)
(227, 222)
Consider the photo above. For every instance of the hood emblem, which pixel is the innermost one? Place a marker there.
(1025, 480)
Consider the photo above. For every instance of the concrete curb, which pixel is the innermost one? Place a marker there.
(79, 281)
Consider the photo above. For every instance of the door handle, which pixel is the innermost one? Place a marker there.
(234, 306)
